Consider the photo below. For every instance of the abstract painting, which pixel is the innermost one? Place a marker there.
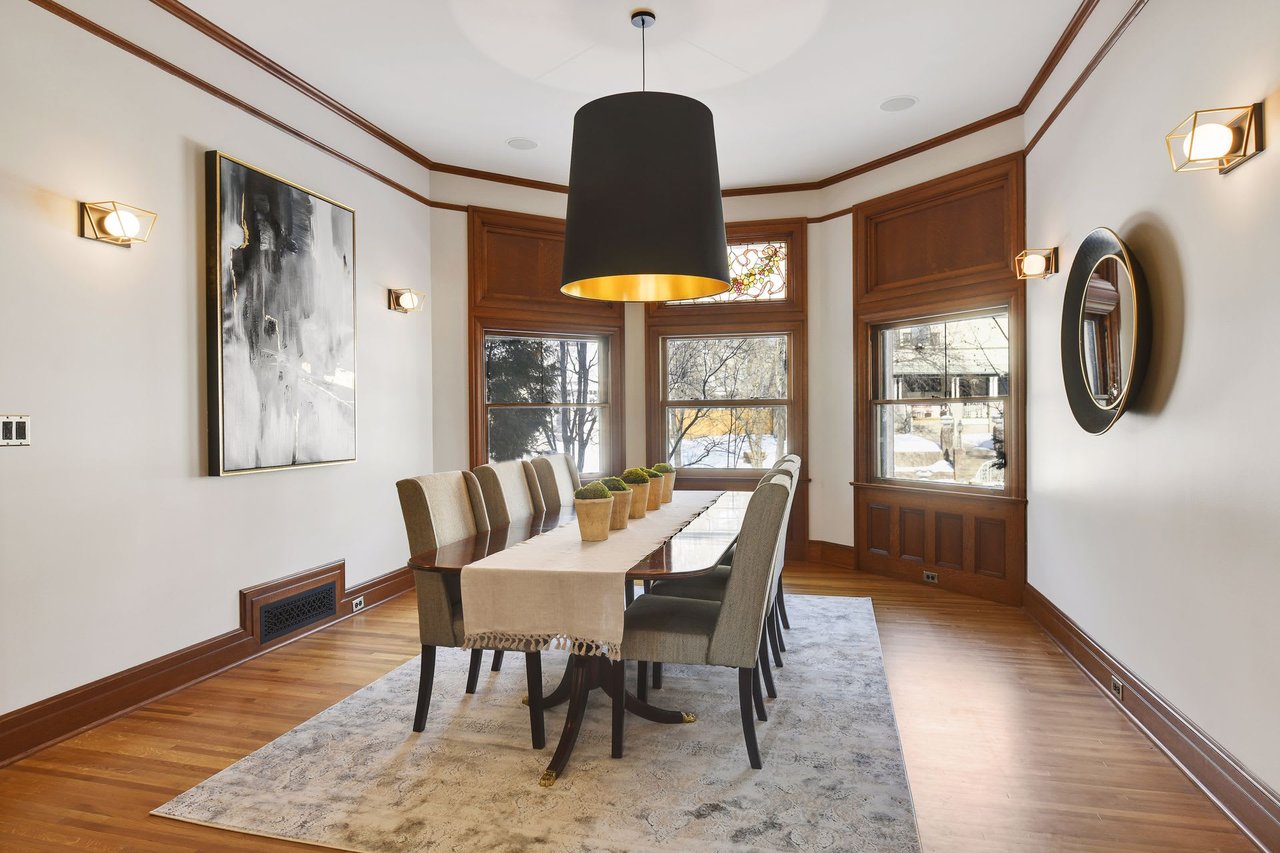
(281, 323)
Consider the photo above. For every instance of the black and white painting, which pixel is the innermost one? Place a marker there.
(282, 335)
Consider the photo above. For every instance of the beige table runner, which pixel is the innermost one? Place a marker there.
(557, 589)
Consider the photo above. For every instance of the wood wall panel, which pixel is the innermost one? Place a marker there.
(948, 540)
(911, 534)
(989, 537)
(878, 529)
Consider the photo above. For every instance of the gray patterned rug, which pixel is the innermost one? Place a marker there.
(355, 777)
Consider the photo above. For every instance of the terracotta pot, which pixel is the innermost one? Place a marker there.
(668, 486)
(621, 509)
(655, 493)
(593, 518)
(639, 499)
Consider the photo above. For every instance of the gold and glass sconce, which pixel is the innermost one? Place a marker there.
(115, 222)
(1216, 139)
(406, 301)
(1037, 263)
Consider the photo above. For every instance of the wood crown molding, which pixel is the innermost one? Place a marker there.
(1244, 798)
(44, 723)
(250, 54)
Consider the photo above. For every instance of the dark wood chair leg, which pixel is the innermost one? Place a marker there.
(619, 675)
(473, 673)
(657, 675)
(777, 630)
(758, 696)
(642, 680)
(746, 678)
(764, 668)
(425, 681)
(533, 681)
(771, 629)
(629, 591)
(782, 608)
(497, 662)
(648, 585)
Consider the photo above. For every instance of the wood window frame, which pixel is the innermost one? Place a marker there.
(543, 310)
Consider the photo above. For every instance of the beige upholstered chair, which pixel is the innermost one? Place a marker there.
(510, 490)
(439, 509)
(665, 628)
(558, 479)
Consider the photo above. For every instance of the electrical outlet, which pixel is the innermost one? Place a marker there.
(357, 604)
(930, 577)
(15, 430)
(1117, 688)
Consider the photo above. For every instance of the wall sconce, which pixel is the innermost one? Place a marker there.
(1216, 139)
(406, 301)
(115, 222)
(1036, 263)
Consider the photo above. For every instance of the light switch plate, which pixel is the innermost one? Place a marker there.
(15, 430)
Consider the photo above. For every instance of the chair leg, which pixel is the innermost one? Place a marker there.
(758, 696)
(782, 608)
(618, 672)
(473, 673)
(629, 591)
(771, 628)
(746, 678)
(777, 630)
(497, 662)
(642, 680)
(764, 668)
(425, 681)
(657, 675)
(533, 681)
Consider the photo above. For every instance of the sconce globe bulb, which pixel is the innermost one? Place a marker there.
(122, 223)
(1211, 142)
(1034, 265)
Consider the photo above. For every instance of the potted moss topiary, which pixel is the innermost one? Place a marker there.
(594, 504)
(621, 502)
(637, 479)
(668, 480)
(655, 489)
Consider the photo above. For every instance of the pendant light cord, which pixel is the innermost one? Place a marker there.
(643, 68)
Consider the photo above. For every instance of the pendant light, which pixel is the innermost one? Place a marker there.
(645, 221)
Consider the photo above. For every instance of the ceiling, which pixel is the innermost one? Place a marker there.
(795, 87)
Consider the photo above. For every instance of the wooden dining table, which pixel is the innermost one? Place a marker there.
(694, 550)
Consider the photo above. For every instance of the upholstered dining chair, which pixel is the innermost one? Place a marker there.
(510, 490)
(439, 509)
(671, 629)
(558, 479)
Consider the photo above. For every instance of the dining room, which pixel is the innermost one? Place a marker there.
(732, 426)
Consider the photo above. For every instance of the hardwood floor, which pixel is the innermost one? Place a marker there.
(1008, 746)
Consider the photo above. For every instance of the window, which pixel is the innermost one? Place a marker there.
(727, 400)
(941, 395)
(547, 394)
(757, 273)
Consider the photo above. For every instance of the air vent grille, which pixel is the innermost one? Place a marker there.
(297, 611)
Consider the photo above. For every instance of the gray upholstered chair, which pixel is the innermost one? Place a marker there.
(439, 509)
(670, 629)
(558, 479)
(510, 490)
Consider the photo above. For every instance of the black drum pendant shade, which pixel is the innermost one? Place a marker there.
(645, 221)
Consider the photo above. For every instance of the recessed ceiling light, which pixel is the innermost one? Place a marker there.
(522, 143)
(900, 103)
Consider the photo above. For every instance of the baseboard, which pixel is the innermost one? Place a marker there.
(44, 723)
(832, 553)
(1253, 806)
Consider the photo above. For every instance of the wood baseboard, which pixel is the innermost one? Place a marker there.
(832, 553)
(1253, 806)
(27, 730)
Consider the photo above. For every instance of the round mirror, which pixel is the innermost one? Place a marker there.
(1106, 330)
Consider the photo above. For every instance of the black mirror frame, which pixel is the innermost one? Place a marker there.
(1099, 244)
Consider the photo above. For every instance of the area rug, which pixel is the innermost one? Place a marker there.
(355, 777)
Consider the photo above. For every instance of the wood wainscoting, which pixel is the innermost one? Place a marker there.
(26, 730)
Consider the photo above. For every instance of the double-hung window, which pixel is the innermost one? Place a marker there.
(547, 394)
(942, 391)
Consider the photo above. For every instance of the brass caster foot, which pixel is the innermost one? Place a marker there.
(524, 700)
(686, 717)
(548, 778)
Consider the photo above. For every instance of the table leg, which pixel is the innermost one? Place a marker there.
(579, 691)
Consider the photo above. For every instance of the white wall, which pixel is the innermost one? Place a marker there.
(114, 549)
(1159, 537)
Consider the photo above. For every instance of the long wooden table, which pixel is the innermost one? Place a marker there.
(694, 550)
